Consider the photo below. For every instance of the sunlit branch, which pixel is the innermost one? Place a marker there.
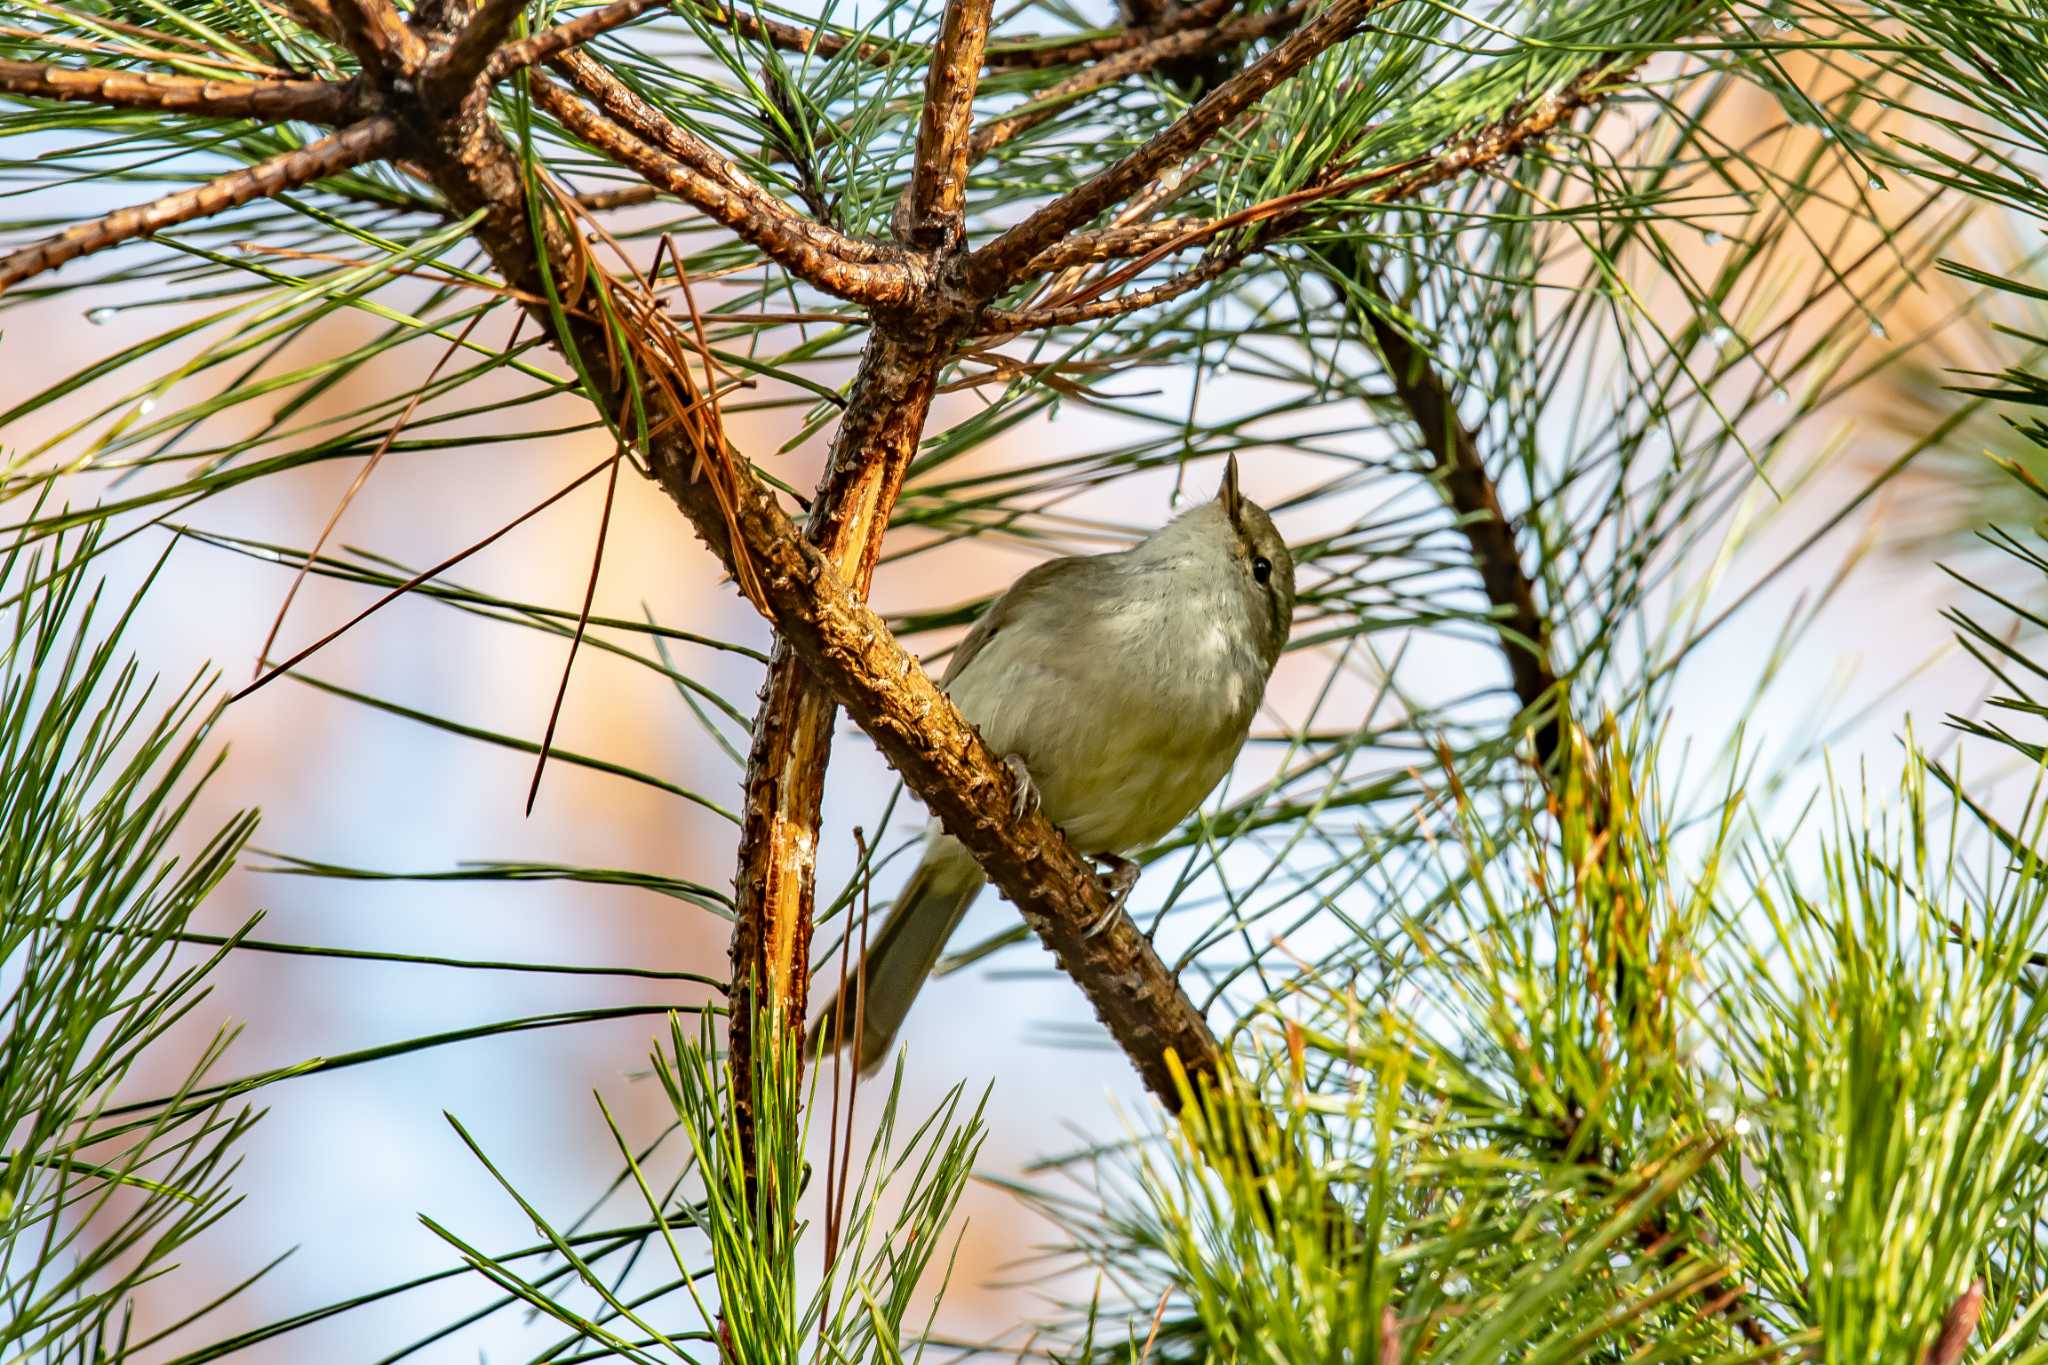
(329, 102)
(805, 248)
(365, 141)
(1003, 261)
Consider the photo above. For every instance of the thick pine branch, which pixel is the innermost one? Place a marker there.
(379, 36)
(817, 610)
(471, 50)
(780, 833)
(655, 128)
(551, 43)
(847, 646)
(366, 141)
(328, 102)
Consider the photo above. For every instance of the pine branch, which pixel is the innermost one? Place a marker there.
(871, 451)
(1469, 490)
(626, 196)
(922, 303)
(830, 260)
(551, 43)
(1152, 55)
(307, 101)
(472, 50)
(795, 38)
(1095, 310)
(1037, 54)
(1118, 243)
(1002, 262)
(365, 141)
(318, 16)
(844, 644)
(929, 216)
(655, 128)
(379, 36)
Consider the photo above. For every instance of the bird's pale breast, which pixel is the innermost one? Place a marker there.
(1126, 716)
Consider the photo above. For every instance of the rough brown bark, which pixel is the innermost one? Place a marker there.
(553, 42)
(1036, 54)
(839, 639)
(1110, 244)
(1000, 263)
(780, 826)
(328, 102)
(775, 884)
(379, 36)
(865, 272)
(352, 146)
(472, 47)
(1156, 54)
(929, 215)
(448, 135)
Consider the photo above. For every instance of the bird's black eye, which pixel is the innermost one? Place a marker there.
(1262, 568)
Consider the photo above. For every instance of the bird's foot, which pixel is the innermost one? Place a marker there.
(1118, 877)
(1026, 799)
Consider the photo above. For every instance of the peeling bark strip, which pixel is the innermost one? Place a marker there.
(288, 170)
(326, 102)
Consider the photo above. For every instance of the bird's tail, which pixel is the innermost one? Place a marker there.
(901, 956)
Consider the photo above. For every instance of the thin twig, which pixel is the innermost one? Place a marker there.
(828, 259)
(552, 42)
(422, 576)
(1151, 55)
(1004, 260)
(1282, 214)
(1036, 54)
(352, 146)
(604, 525)
(362, 477)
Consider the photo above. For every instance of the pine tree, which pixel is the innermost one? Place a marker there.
(1483, 1021)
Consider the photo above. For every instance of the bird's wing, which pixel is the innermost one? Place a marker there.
(1015, 600)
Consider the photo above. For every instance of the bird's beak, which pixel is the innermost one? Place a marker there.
(1232, 500)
